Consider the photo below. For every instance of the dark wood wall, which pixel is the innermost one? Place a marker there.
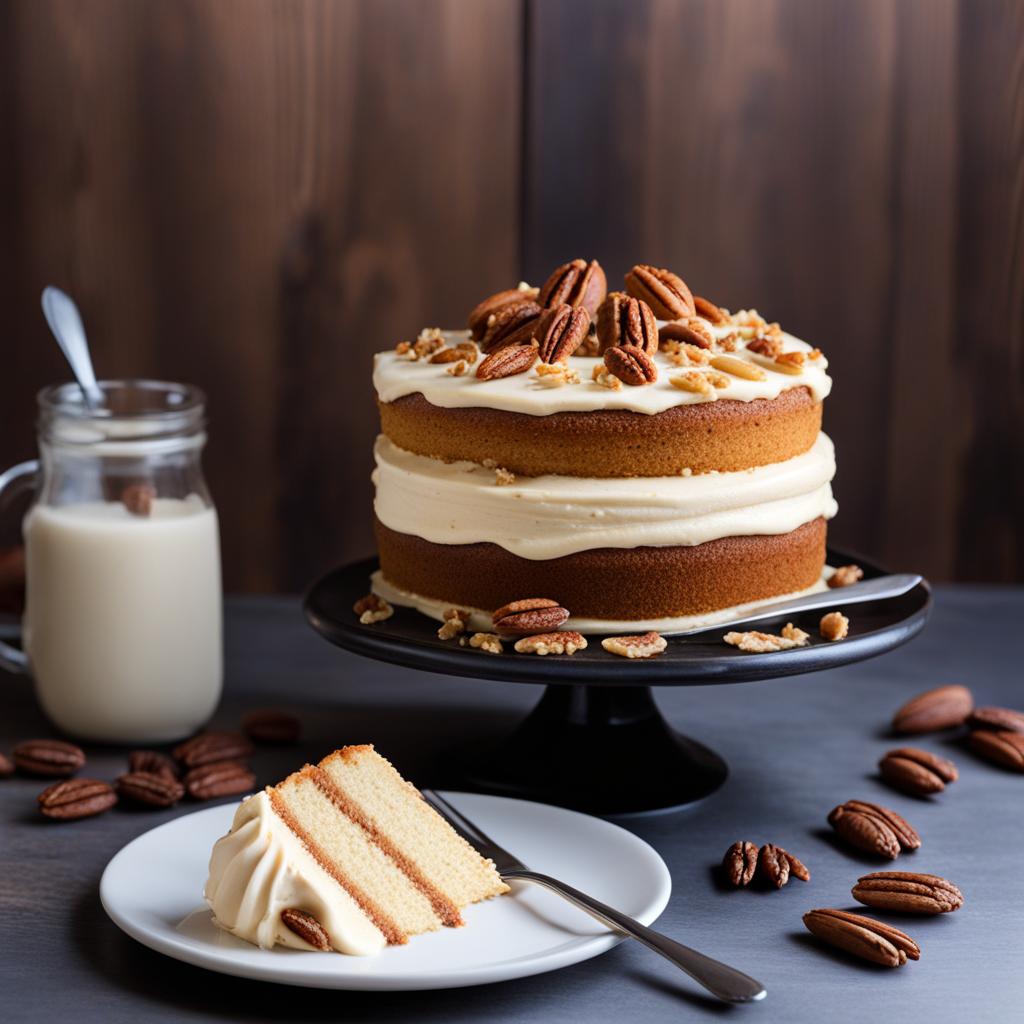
(254, 195)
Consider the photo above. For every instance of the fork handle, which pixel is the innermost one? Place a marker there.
(726, 982)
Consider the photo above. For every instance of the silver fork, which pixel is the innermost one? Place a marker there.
(725, 982)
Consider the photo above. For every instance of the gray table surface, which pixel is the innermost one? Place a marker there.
(795, 746)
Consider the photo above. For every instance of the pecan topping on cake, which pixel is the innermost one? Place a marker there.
(555, 375)
(694, 333)
(666, 293)
(560, 332)
(514, 324)
(631, 365)
(710, 311)
(307, 927)
(530, 615)
(738, 368)
(623, 320)
(465, 350)
(507, 362)
(479, 318)
(576, 283)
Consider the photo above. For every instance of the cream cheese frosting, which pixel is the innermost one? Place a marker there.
(481, 620)
(552, 516)
(260, 868)
(395, 376)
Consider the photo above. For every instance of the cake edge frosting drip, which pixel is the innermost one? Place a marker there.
(260, 868)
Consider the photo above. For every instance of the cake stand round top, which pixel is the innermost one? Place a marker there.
(410, 638)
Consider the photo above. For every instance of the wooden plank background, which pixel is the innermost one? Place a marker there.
(254, 195)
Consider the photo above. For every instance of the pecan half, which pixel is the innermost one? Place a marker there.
(631, 365)
(560, 332)
(76, 798)
(491, 306)
(564, 642)
(138, 499)
(271, 726)
(740, 863)
(307, 927)
(845, 574)
(873, 828)
(941, 708)
(528, 616)
(52, 758)
(372, 608)
(1005, 749)
(513, 325)
(577, 283)
(666, 293)
(150, 789)
(707, 309)
(908, 892)
(917, 772)
(862, 936)
(676, 330)
(464, 351)
(773, 865)
(210, 747)
(6, 767)
(647, 645)
(1001, 719)
(153, 762)
(507, 362)
(222, 778)
(623, 320)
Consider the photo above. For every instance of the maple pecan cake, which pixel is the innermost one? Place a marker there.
(643, 457)
(346, 856)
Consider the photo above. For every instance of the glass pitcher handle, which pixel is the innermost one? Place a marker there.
(13, 482)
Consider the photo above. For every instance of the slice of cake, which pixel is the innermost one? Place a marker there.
(343, 855)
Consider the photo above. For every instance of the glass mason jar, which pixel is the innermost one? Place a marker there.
(122, 625)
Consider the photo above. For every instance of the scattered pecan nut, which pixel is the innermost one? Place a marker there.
(647, 645)
(76, 798)
(873, 828)
(862, 936)
(753, 641)
(482, 312)
(150, 789)
(529, 615)
(631, 365)
(507, 362)
(222, 778)
(51, 758)
(623, 320)
(372, 608)
(564, 642)
(1000, 719)
(941, 708)
(666, 293)
(138, 499)
(513, 325)
(560, 333)
(1005, 749)
(272, 726)
(845, 575)
(918, 772)
(908, 893)
(153, 762)
(577, 283)
(773, 865)
(740, 863)
(834, 626)
(489, 642)
(711, 312)
(307, 927)
(211, 747)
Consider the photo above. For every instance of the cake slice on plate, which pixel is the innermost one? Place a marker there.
(343, 855)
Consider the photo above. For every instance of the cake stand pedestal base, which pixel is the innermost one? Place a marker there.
(603, 750)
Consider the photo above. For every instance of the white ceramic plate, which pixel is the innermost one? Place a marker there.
(153, 888)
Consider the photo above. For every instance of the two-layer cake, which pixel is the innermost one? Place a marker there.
(642, 457)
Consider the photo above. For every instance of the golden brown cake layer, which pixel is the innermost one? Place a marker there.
(610, 583)
(722, 435)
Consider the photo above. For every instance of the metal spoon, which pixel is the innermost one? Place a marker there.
(66, 323)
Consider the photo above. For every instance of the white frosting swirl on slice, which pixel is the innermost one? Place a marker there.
(395, 376)
(260, 868)
(550, 516)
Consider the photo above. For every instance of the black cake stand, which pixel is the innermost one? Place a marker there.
(596, 741)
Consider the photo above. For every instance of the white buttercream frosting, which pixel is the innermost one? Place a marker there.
(260, 868)
(551, 516)
(395, 376)
(481, 620)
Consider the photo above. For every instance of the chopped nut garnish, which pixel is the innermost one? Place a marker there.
(754, 642)
(608, 380)
(682, 353)
(403, 348)
(766, 346)
(564, 642)
(749, 318)
(465, 350)
(845, 575)
(700, 326)
(644, 646)
(695, 382)
(815, 353)
(728, 343)
(489, 642)
(834, 626)
(503, 478)
(455, 620)
(458, 369)
(790, 632)
(555, 375)
(738, 368)
(797, 358)
(372, 608)
(718, 380)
